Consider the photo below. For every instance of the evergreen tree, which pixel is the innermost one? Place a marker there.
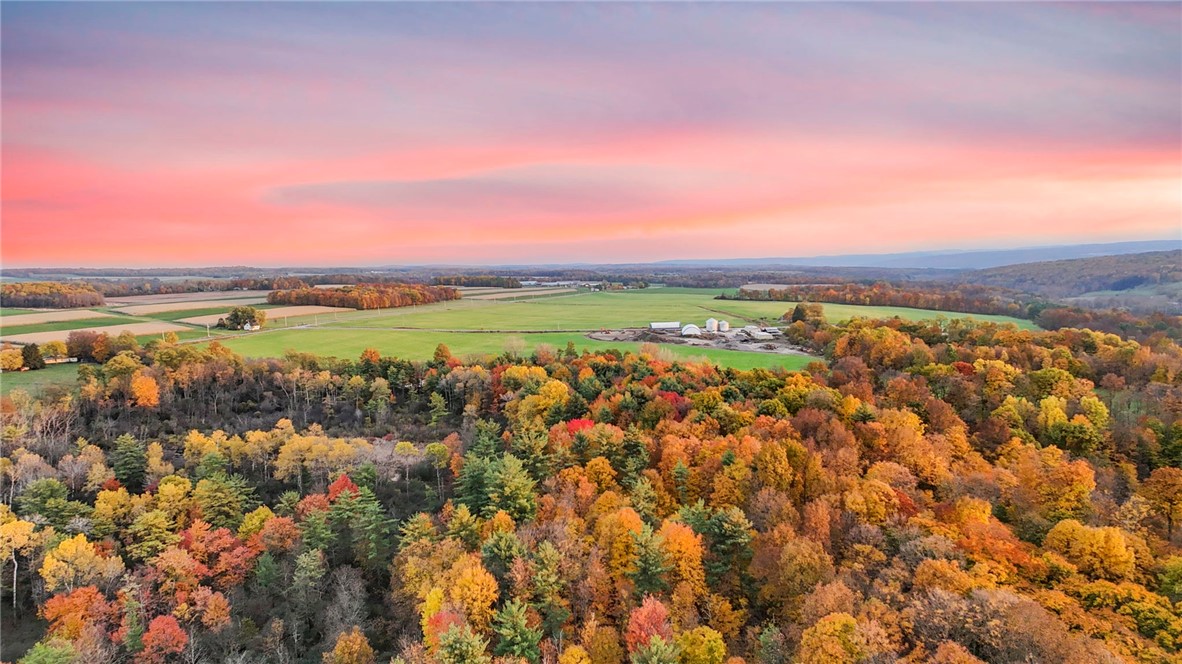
(438, 407)
(129, 460)
(648, 577)
(657, 651)
(31, 356)
(486, 443)
(511, 489)
(530, 446)
(472, 486)
(464, 528)
(459, 645)
(499, 552)
(316, 532)
(371, 534)
(515, 637)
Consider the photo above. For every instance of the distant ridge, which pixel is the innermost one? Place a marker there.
(950, 260)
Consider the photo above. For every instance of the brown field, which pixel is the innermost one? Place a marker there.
(519, 292)
(52, 317)
(185, 297)
(113, 330)
(141, 309)
(272, 314)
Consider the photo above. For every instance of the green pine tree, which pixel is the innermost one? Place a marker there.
(648, 577)
(129, 460)
(515, 637)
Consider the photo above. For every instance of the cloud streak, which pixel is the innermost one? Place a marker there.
(486, 132)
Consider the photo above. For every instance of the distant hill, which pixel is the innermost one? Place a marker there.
(955, 260)
(1143, 282)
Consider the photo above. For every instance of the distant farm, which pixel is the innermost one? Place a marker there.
(485, 321)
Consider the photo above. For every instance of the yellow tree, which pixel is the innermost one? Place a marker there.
(145, 392)
(16, 539)
(352, 648)
(472, 588)
(75, 563)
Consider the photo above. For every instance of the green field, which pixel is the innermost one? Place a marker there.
(483, 327)
(614, 310)
(474, 327)
(34, 381)
(417, 345)
(16, 312)
(80, 324)
(178, 314)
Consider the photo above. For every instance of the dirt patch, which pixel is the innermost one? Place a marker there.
(516, 292)
(52, 317)
(185, 297)
(272, 314)
(141, 309)
(113, 330)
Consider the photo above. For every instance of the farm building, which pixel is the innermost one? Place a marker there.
(691, 330)
(724, 326)
(670, 325)
(711, 324)
(754, 332)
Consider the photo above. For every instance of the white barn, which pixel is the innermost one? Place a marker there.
(670, 325)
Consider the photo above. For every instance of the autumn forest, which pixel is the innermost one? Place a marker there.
(929, 491)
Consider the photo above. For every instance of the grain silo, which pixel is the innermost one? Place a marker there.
(724, 326)
(711, 324)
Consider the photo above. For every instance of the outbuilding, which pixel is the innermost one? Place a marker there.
(691, 330)
(669, 325)
(711, 324)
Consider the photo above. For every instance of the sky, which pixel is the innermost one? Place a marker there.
(176, 134)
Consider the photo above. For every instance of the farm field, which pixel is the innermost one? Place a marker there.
(472, 326)
(595, 311)
(163, 307)
(34, 381)
(518, 293)
(66, 325)
(17, 312)
(144, 328)
(177, 314)
(273, 314)
(421, 345)
(118, 301)
(9, 319)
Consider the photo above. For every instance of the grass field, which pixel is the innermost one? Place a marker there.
(414, 332)
(16, 312)
(595, 311)
(33, 381)
(486, 326)
(416, 344)
(66, 325)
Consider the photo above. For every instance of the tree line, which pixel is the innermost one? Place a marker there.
(366, 296)
(49, 295)
(483, 280)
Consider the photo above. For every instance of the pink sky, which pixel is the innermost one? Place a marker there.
(305, 134)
